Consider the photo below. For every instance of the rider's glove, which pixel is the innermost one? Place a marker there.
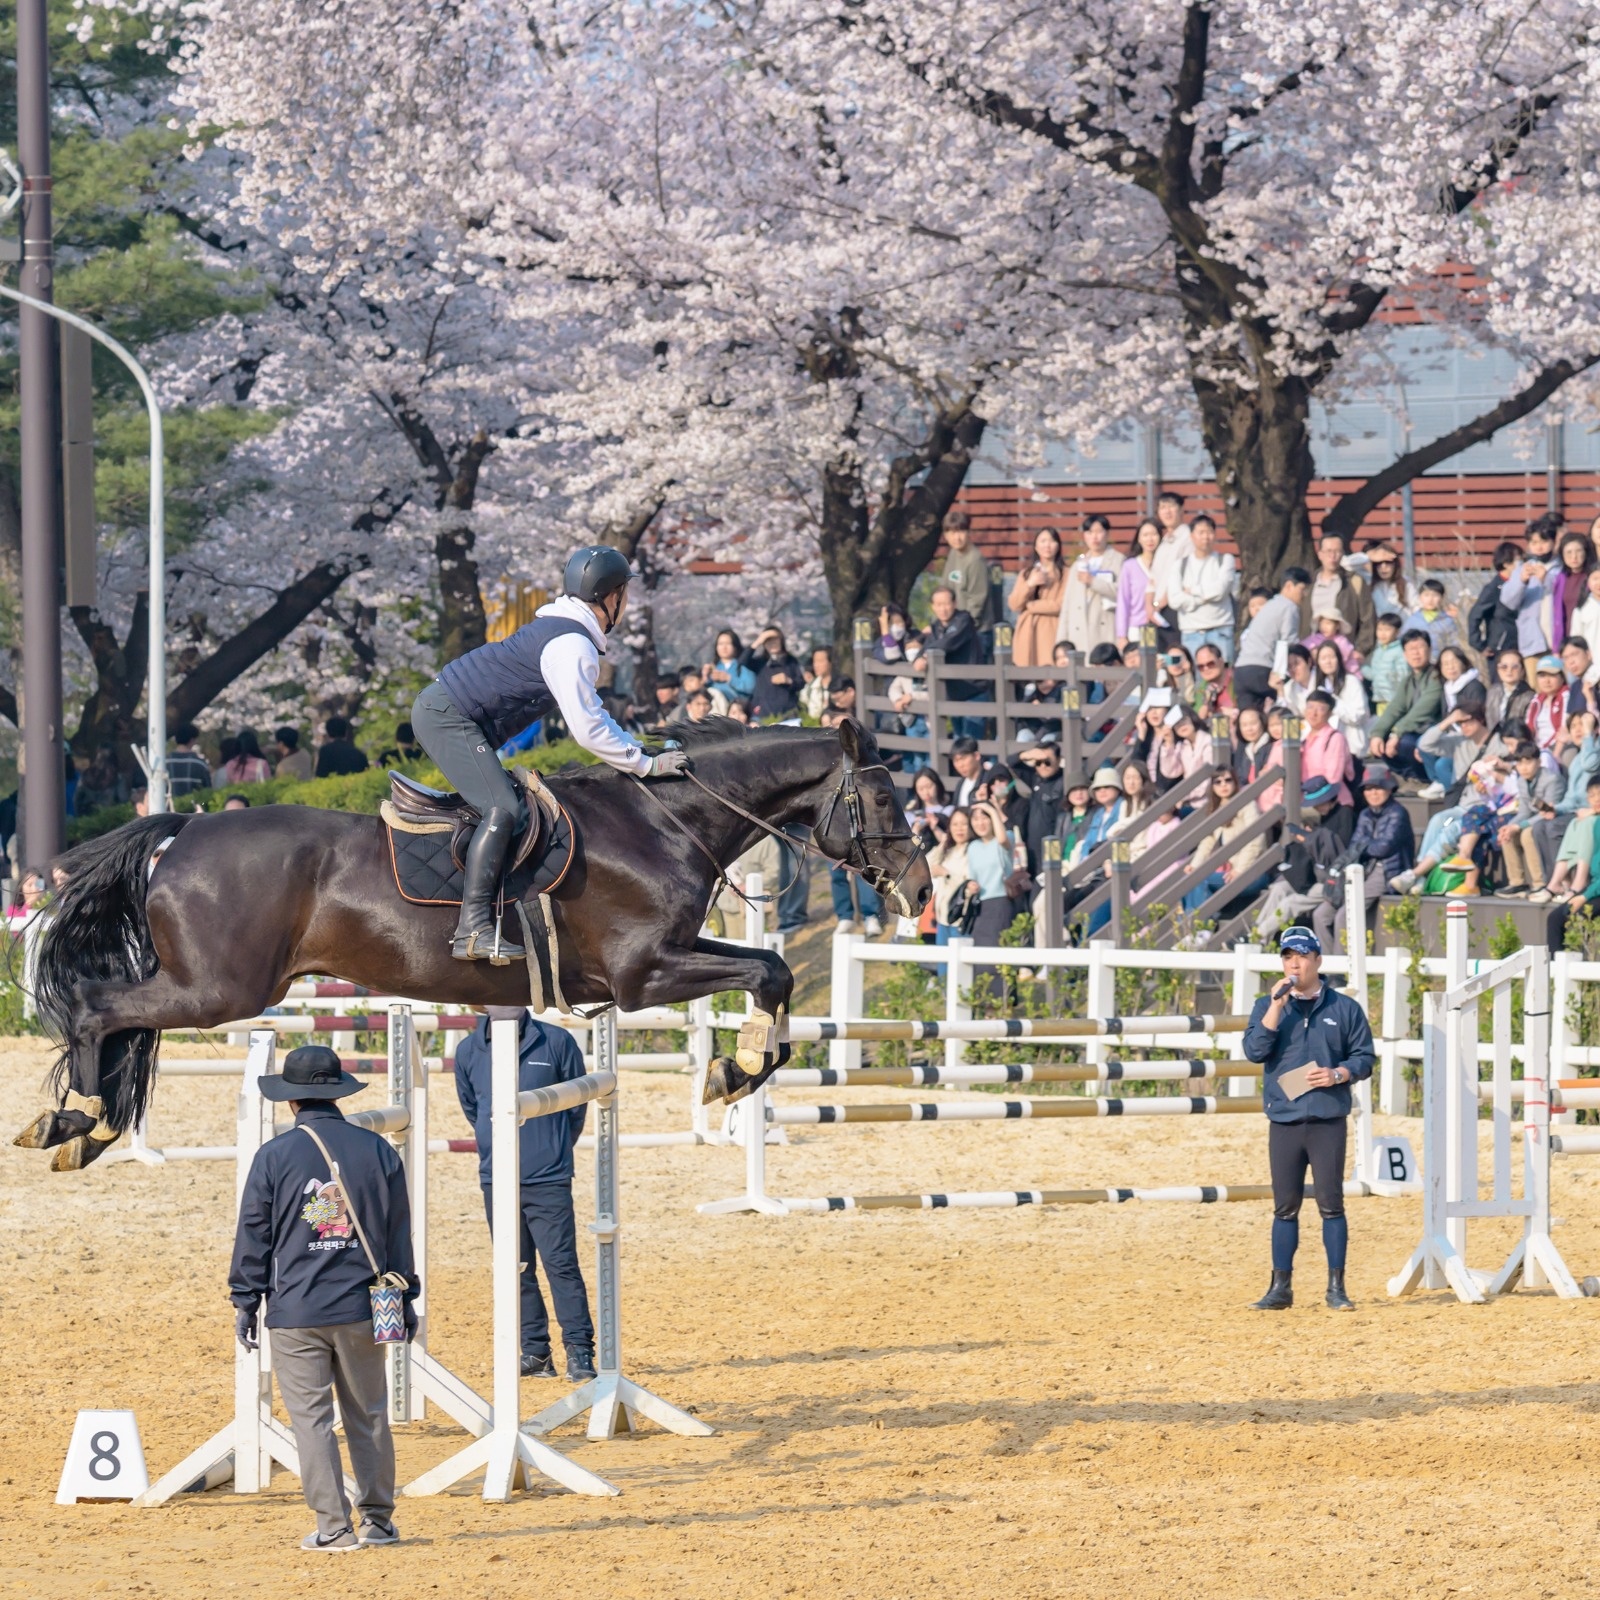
(669, 764)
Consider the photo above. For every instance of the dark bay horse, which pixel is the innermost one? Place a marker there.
(242, 902)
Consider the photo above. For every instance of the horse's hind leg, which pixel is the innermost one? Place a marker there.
(111, 1062)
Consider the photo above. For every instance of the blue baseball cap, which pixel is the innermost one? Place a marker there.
(1300, 940)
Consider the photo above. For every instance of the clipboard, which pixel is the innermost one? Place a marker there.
(1294, 1082)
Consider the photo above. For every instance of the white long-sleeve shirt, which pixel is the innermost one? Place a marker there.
(570, 666)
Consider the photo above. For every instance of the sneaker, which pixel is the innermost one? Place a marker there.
(580, 1365)
(340, 1544)
(537, 1366)
(375, 1532)
(1540, 897)
(1459, 864)
(1419, 888)
(1403, 882)
(874, 928)
(1431, 791)
(844, 923)
(1512, 891)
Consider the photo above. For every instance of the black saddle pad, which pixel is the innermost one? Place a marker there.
(426, 876)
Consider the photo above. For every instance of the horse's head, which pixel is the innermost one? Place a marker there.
(863, 825)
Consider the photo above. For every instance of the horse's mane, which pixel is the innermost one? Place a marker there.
(709, 737)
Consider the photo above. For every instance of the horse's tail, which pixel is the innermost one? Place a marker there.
(98, 933)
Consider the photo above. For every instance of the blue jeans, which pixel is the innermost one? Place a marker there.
(1203, 891)
(1220, 639)
(1440, 836)
(839, 887)
(1440, 769)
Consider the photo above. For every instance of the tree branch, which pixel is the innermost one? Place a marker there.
(235, 656)
(1352, 509)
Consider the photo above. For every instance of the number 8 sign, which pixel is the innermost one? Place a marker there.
(105, 1460)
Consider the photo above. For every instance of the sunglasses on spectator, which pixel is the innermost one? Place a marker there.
(1208, 661)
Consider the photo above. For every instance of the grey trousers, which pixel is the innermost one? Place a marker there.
(462, 752)
(1328, 924)
(311, 1364)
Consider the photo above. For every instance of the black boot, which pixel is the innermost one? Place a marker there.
(537, 1366)
(475, 931)
(1338, 1300)
(580, 1364)
(1280, 1296)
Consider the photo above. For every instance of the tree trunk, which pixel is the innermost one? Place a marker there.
(1260, 443)
(870, 560)
(843, 541)
(463, 625)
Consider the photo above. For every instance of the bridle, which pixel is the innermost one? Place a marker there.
(860, 836)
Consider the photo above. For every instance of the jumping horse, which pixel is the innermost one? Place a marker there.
(189, 921)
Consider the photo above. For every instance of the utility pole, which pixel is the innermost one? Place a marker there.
(43, 797)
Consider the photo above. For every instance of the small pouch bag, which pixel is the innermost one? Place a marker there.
(388, 1292)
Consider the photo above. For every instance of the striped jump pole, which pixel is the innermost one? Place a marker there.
(1010, 1199)
(865, 1030)
(1199, 1105)
(512, 1450)
(973, 1075)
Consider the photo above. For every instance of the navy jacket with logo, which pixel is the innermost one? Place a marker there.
(1330, 1031)
(545, 1056)
(295, 1244)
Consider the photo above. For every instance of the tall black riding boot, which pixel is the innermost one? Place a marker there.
(486, 856)
(1281, 1294)
(1338, 1300)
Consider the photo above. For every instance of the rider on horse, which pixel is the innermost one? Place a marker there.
(490, 694)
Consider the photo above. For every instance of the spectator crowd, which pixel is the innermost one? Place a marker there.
(1484, 724)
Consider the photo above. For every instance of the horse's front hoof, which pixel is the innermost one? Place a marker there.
(76, 1154)
(51, 1128)
(725, 1081)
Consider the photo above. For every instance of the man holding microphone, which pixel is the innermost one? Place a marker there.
(1312, 1043)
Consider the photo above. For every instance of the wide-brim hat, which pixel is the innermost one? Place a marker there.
(311, 1072)
(1376, 777)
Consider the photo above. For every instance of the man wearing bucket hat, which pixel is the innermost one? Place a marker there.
(1312, 1043)
(323, 1215)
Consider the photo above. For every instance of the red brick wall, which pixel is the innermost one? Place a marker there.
(1457, 521)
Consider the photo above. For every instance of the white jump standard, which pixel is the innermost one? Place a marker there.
(511, 1447)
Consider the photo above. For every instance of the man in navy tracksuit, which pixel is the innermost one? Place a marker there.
(1305, 1022)
(549, 1230)
(297, 1246)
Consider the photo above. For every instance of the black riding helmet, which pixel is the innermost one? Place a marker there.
(595, 571)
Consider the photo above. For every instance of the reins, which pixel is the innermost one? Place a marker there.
(846, 790)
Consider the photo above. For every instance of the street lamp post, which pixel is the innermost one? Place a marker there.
(43, 777)
(156, 720)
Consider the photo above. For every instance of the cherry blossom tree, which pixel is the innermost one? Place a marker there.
(783, 267)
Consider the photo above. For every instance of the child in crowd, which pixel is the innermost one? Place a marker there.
(1387, 665)
(1437, 619)
(1571, 872)
(1330, 630)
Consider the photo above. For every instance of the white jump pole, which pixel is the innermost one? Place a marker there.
(610, 1398)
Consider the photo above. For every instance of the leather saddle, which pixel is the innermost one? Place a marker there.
(417, 804)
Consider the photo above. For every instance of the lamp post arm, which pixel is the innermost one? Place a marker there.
(156, 721)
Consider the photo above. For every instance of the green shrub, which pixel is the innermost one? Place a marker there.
(359, 791)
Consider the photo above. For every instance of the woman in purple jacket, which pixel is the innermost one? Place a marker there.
(1133, 584)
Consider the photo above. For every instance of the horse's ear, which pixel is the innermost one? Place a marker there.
(851, 734)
